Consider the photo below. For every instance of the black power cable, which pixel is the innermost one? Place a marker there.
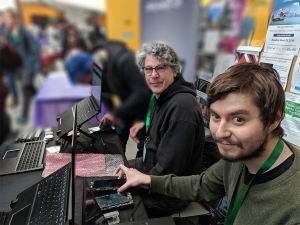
(135, 208)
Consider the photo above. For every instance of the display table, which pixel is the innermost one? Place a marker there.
(12, 185)
(57, 95)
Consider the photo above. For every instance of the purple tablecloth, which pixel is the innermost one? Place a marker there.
(57, 95)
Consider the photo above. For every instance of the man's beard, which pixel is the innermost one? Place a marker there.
(261, 143)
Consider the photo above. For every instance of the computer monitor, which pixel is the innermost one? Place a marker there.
(97, 84)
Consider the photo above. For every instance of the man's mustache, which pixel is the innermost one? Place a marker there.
(227, 141)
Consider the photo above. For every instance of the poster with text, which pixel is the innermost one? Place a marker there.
(291, 121)
(283, 34)
(295, 85)
(281, 63)
(254, 25)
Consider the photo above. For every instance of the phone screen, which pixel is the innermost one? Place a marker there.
(108, 183)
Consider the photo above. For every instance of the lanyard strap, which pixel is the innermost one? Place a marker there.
(149, 114)
(234, 209)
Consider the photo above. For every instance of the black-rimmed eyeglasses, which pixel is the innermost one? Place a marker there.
(160, 69)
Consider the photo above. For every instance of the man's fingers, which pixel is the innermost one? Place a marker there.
(136, 140)
(124, 187)
(120, 167)
(121, 175)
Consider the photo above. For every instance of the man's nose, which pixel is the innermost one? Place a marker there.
(223, 130)
(154, 74)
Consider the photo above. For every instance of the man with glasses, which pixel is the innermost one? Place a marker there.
(174, 126)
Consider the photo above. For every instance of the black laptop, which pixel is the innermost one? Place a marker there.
(22, 157)
(86, 109)
(51, 200)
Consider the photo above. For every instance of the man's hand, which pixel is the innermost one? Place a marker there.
(133, 177)
(136, 130)
(109, 120)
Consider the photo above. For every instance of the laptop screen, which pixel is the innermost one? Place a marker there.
(96, 84)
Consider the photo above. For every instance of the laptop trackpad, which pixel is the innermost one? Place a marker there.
(20, 217)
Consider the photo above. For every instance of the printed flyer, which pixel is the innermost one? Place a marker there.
(282, 63)
(291, 121)
(295, 85)
(283, 34)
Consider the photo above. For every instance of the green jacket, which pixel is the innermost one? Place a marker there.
(273, 202)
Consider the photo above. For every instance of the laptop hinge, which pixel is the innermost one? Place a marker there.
(29, 217)
(96, 107)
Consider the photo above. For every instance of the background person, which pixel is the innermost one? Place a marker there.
(9, 59)
(25, 44)
(124, 90)
(72, 42)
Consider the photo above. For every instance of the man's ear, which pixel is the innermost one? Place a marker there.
(174, 74)
(277, 121)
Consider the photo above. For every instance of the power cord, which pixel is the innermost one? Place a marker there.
(97, 118)
(135, 208)
(178, 209)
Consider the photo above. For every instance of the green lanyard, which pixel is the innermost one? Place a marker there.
(149, 114)
(234, 209)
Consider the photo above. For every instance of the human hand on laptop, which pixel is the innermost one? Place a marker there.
(133, 177)
(110, 120)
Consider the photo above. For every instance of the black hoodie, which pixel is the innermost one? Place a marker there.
(123, 77)
(176, 136)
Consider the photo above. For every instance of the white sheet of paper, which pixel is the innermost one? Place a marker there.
(295, 85)
(282, 63)
(53, 149)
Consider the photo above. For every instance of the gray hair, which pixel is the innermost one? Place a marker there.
(161, 51)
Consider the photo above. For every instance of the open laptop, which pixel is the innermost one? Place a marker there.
(22, 157)
(51, 200)
(86, 109)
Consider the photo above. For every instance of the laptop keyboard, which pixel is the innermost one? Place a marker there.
(51, 199)
(85, 111)
(31, 155)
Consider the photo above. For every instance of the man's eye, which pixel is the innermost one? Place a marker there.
(148, 68)
(215, 116)
(238, 120)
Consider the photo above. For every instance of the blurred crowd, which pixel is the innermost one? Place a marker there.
(39, 47)
(222, 26)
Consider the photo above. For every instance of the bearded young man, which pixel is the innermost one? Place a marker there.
(259, 173)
